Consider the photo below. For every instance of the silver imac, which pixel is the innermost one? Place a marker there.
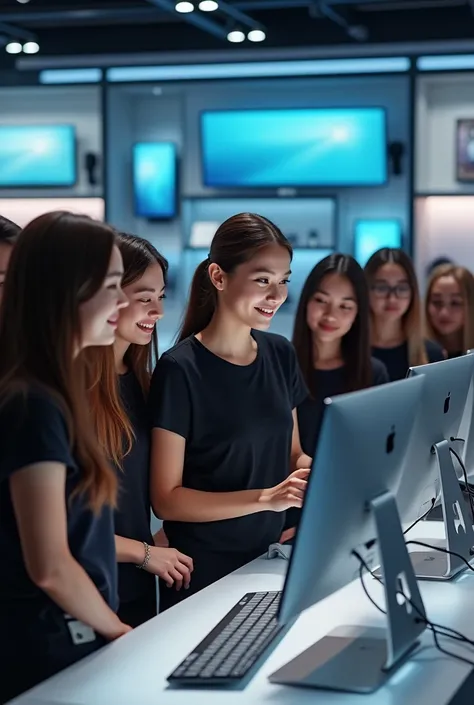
(350, 506)
(429, 469)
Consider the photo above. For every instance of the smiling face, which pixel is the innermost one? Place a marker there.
(137, 322)
(100, 314)
(254, 292)
(390, 292)
(332, 309)
(446, 306)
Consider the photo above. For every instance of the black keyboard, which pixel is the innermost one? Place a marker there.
(231, 649)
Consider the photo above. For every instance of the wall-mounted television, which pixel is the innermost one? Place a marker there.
(318, 147)
(155, 180)
(37, 156)
(372, 235)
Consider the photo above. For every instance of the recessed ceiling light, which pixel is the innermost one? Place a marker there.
(236, 36)
(23, 2)
(257, 35)
(13, 48)
(208, 5)
(31, 48)
(184, 7)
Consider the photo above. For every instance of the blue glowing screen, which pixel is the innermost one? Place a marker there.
(277, 148)
(41, 155)
(372, 235)
(154, 179)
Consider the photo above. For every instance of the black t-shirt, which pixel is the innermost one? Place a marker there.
(237, 422)
(33, 430)
(396, 359)
(133, 514)
(328, 383)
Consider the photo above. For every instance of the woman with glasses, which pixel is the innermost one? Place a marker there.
(449, 309)
(397, 338)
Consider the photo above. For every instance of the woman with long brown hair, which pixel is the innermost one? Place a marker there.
(449, 309)
(226, 456)
(58, 592)
(396, 321)
(119, 381)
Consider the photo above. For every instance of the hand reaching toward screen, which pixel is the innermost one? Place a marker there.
(289, 493)
(170, 565)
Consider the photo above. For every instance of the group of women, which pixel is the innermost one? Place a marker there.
(216, 437)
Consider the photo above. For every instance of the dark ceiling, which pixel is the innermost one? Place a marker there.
(73, 27)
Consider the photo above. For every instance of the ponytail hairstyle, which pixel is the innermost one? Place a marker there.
(111, 420)
(236, 241)
(412, 319)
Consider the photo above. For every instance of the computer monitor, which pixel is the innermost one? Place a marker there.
(429, 467)
(466, 433)
(350, 506)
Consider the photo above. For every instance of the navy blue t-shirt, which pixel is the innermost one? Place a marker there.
(396, 359)
(33, 430)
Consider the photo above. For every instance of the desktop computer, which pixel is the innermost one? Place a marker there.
(429, 468)
(349, 508)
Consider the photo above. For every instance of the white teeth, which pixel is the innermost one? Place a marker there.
(265, 310)
(148, 326)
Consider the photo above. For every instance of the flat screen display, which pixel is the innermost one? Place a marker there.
(37, 156)
(155, 179)
(372, 235)
(294, 148)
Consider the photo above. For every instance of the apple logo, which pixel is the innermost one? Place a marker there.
(447, 402)
(390, 445)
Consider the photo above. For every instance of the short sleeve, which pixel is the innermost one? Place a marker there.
(434, 352)
(169, 399)
(32, 430)
(379, 373)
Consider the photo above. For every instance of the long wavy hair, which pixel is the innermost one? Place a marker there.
(111, 420)
(59, 262)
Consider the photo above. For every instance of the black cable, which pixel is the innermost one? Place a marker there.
(436, 629)
(423, 516)
(441, 550)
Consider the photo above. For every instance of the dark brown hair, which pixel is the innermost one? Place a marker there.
(355, 345)
(412, 323)
(236, 241)
(111, 420)
(59, 262)
(9, 231)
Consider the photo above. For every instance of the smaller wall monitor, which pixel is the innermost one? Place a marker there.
(372, 235)
(155, 180)
(37, 156)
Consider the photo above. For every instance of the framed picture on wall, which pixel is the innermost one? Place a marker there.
(465, 149)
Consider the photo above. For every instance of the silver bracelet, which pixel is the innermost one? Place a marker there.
(146, 560)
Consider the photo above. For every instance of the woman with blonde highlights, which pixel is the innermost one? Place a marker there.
(449, 309)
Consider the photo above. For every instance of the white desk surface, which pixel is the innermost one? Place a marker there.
(133, 669)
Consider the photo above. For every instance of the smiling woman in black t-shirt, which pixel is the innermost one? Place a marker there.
(58, 591)
(226, 456)
(119, 380)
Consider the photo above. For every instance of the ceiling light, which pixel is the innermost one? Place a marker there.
(184, 7)
(14, 48)
(31, 48)
(208, 5)
(236, 36)
(23, 2)
(256, 35)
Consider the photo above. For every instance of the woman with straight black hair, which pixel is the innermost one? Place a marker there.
(58, 591)
(119, 381)
(9, 233)
(396, 321)
(226, 457)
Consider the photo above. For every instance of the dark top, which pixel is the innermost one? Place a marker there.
(458, 353)
(33, 430)
(328, 383)
(237, 422)
(133, 514)
(396, 359)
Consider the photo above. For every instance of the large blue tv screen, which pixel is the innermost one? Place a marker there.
(294, 148)
(372, 235)
(37, 156)
(154, 179)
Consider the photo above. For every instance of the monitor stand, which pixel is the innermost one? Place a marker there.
(358, 659)
(436, 565)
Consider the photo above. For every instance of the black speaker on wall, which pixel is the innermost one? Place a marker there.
(396, 152)
(91, 163)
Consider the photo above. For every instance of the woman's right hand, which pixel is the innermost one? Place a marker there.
(120, 630)
(173, 567)
(289, 493)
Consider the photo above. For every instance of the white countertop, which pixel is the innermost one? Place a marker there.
(133, 670)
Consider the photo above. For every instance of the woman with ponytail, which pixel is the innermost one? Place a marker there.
(226, 457)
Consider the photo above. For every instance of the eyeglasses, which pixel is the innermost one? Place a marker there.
(383, 291)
